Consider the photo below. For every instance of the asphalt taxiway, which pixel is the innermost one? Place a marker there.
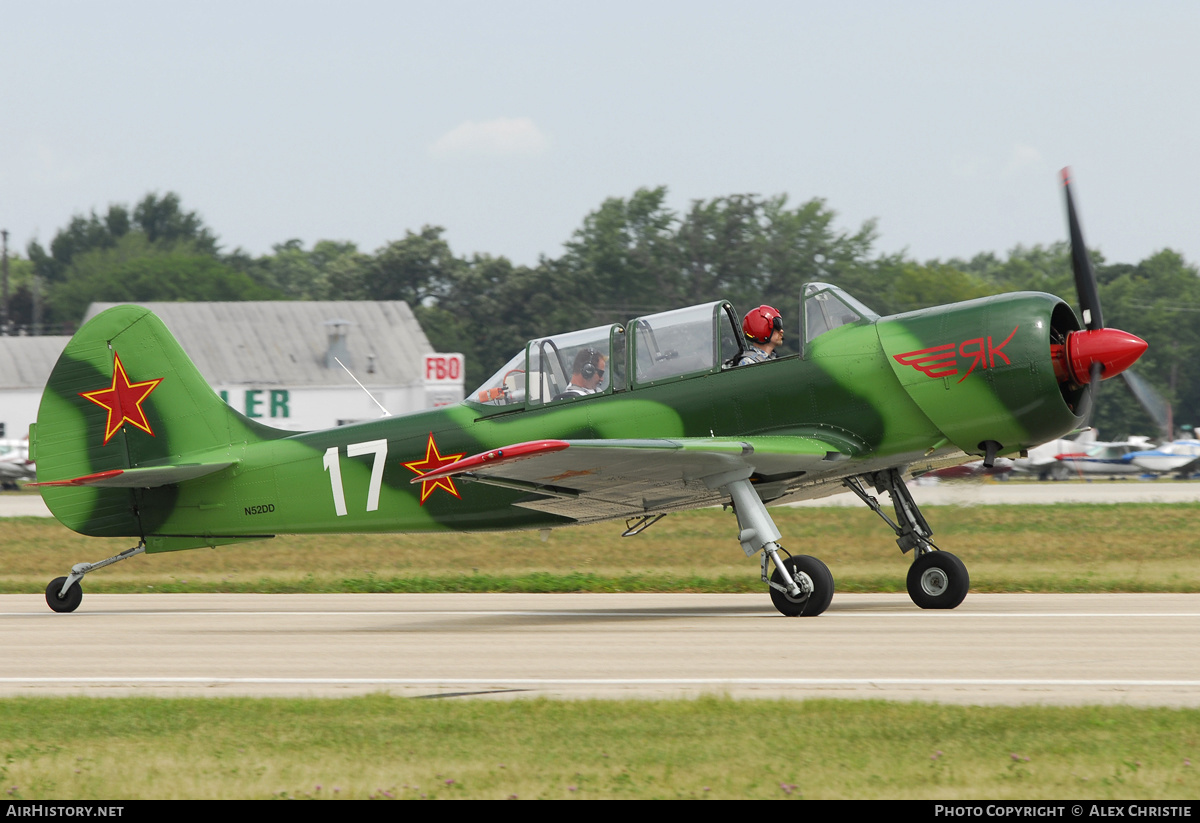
(945, 493)
(1134, 649)
(1138, 649)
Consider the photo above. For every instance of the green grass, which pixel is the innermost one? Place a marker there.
(381, 747)
(1060, 548)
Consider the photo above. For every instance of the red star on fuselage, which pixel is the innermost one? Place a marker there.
(123, 401)
(433, 460)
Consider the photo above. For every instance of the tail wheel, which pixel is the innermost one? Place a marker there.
(809, 605)
(938, 580)
(70, 602)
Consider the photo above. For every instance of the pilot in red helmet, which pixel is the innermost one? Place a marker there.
(764, 329)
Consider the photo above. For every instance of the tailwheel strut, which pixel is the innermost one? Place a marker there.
(64, 594)
(936, 579)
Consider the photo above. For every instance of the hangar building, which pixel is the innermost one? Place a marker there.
(275, 361)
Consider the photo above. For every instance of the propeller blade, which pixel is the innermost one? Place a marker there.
(1154, 403)
(1085, 275)
(1092, 392)
(1094, 353)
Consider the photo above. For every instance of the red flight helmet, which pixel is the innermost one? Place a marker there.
(761, 323)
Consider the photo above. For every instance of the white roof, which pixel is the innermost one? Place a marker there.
(25, 362)
(285, 342)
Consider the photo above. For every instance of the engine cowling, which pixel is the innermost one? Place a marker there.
(1002, 374)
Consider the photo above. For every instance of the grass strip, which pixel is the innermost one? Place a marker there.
(388, 747)
(1059, 548)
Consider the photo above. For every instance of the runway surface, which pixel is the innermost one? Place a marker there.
(944, 493)
(1133, 649)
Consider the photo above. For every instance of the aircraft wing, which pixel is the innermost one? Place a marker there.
(589, 480)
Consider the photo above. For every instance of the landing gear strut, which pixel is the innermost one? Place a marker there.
(64, 594)
(800, 586)
(936, 579)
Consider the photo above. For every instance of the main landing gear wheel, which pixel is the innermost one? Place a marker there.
(938, 580)
(63, 604)
(818, 577)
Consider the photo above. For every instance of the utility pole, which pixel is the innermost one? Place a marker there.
(37, 303)
(4, 305)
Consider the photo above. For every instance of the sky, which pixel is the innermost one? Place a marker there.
(506, 123)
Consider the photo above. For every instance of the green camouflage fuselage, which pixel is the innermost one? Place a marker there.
(893, 392)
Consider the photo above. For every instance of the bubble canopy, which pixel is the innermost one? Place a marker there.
(651, 349)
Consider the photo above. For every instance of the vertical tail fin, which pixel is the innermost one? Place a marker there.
(124, 395)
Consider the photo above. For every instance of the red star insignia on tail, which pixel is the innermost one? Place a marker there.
(433, 460)
(123, 401)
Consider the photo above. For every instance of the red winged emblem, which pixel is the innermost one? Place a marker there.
(942, 361)
(939, 361)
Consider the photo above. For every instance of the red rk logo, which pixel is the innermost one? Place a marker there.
(942, 361)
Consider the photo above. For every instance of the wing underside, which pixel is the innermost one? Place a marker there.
(590, 480)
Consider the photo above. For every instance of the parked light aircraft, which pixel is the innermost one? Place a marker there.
(131, 441)
(1091, 457)
(1043, 460)
(1180, 456)
(14, 463)
(1106, 458)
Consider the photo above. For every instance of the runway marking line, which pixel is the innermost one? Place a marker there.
(600, 681)
(769, 613)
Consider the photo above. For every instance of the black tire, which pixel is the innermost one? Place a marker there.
(813, 604)
(938, 580)
(63, 604)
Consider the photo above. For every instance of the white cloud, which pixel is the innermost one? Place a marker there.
(968, 165)
(1019, 158)
(1023, 157)
(502, 137)
(46, 166)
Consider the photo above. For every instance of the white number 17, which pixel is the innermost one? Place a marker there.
(333, 466)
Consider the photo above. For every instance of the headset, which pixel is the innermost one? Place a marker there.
(590, 367)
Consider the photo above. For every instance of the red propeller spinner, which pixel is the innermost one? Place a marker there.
(1112, 350)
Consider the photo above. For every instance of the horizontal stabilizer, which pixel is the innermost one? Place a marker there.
(148, 477)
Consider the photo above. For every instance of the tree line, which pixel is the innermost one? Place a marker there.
(631, 256)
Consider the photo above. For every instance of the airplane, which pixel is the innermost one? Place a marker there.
(1043, 460)
(1179, 456)
(1107, 458)
(131, 441)
(14, 463)
(1062, 459)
